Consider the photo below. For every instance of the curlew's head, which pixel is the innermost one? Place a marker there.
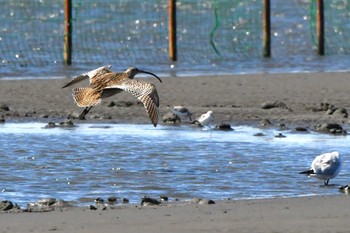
(133, 71)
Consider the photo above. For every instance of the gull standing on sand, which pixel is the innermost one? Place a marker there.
(105, 83)
(181, 111)
(206, 118)
(325, 167)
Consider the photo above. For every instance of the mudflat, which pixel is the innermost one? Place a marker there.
(235, 99)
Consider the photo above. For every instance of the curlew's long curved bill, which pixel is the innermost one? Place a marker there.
(90, 74)
(146, 72)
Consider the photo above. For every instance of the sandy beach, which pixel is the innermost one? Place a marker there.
(235, 99)
(304, 214)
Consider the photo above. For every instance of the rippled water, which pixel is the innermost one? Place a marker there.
(98, 160)
(293, 49)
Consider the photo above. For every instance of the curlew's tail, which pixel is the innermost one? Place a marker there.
(86, 96)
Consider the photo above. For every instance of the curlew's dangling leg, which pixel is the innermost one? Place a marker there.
(83, 114)
(326, 182)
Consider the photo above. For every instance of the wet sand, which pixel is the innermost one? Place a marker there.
(235, 99)
(304, 214)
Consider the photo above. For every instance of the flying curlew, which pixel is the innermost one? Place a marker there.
(325, 167)
(105, 83)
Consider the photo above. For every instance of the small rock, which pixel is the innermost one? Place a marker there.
(196, 123)
(273, 104)
(330, 111)
(224, 126)
(332, 128)
(2, 119)
(300, 129)
(171, 118)
(62, 203)
(125, 200)
(164, 198)
(46, 201)
(280, 135)
(203, 201)
(111, 104)
(259, 135)
(124, 104)
(42, 205)
(282, 126)
(50, 125)
(99, 205)
(265, 123)
(4, 107)
(6, 205)
(323, 107)
(112, 199)
(146, 201)
(326, 106)
(341, 112)
(67, 123)
(99, 200)
(73, 115)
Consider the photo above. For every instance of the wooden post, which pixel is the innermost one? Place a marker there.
(67, 54)
(320, 27)
(267, 29)
(172, 30)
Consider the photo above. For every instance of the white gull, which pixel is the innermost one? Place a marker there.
(325, 167)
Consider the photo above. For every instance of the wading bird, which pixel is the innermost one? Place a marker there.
(206, 118)
(105, 83)
(325, 167)
(181, 111)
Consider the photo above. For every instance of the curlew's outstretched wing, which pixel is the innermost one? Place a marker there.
(145, 92)
(86, 96)
(91, 74)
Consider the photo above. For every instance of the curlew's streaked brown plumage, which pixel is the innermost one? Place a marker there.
(91, 74)
(105, 83)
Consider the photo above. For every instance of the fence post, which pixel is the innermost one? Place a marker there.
(172, 30)
(320, 27)
(267, 29)
(67, 54)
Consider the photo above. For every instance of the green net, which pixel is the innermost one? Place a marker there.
(337, 25)
(226, 29)
(31, 32)
(128, 32)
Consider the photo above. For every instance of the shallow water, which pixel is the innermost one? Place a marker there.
(98, 160)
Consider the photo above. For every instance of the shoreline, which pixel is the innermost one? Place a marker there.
(301, 214)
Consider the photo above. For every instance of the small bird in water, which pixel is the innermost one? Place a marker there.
(325, 167)
(206, 118)
(105, 83)
(181, 111)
